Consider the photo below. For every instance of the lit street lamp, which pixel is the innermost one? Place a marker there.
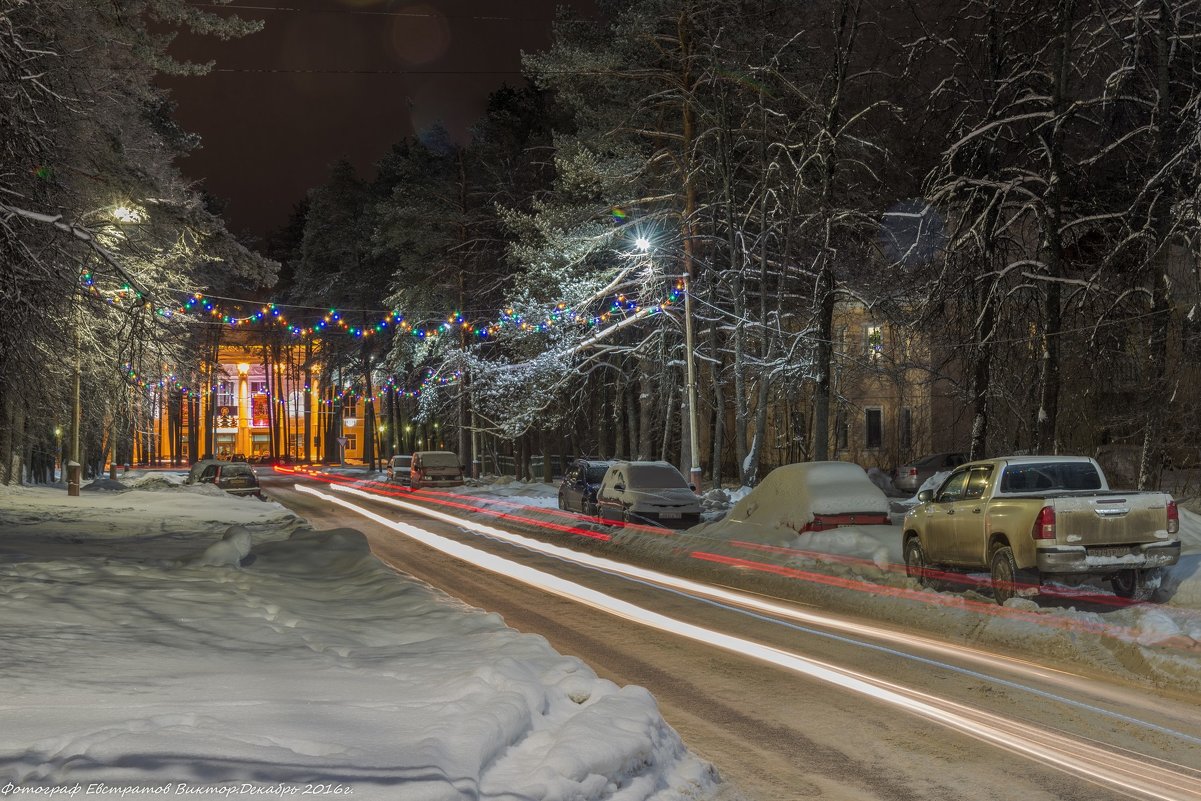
(694, 473)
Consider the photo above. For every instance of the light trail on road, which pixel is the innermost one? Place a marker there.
(1137, 775)
(741, 601)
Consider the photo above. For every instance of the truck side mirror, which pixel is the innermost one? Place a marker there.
(925, 495)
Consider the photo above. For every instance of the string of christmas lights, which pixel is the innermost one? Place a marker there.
(334, 320)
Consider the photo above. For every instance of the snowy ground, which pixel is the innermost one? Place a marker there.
(148, 644)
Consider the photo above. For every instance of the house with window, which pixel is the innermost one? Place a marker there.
(889, 405)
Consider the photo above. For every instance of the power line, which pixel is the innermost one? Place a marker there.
(294, 71)
(370, 13)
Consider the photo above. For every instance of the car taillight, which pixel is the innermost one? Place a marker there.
(913, 472)
(1044, 524)
(1173, 518)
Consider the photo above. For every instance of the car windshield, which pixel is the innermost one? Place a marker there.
(439, 459)
(654, 476)
(1050, 476)
(236, 469)
(596, 472)
(402, 461)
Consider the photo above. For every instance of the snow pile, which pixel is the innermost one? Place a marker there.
(881, 480)
(157, 481)
(535, 493)
(131, 660)
(233, 547)
(879, 544)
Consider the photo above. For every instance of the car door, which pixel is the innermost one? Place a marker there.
(969, 517)
(569, 494)
(940, 519)
(608, 499)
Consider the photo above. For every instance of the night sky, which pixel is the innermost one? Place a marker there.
(327, 79)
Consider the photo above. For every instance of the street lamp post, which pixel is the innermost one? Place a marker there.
(694, 472)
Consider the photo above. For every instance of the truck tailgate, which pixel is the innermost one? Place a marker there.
(1119, 519)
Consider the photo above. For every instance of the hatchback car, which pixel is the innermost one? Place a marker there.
(400, 469)
(236, 478)
(647, 492)
(577, 493)
(910, 477)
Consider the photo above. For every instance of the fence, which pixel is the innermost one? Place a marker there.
(507, 465)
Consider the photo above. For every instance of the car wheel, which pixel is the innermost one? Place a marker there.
(589, 509)
(1004, 570)
(1137, 585)
(915, 563)
(562, 506)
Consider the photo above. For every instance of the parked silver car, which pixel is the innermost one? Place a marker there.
(910, 477)
(653, 493)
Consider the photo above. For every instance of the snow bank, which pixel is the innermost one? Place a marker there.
(137, 651)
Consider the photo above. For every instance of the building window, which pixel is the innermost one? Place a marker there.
(874, 434)
(258, 387)
(352, 442)
(350, 407)
(906, 430)
(874, 337)
(226, 394)
(840, 430)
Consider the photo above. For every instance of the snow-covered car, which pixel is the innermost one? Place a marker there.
(198, 469)
(814, 496)
(647, 492)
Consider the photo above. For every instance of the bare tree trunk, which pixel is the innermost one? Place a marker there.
(632, 417)
(646, 405)
(1046, 440)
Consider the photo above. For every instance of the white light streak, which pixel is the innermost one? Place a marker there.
(1050, 747)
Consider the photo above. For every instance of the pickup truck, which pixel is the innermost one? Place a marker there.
(1026, 518)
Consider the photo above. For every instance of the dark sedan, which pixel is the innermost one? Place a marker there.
(577, 493)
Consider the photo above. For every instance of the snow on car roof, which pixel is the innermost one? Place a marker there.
(791, 495)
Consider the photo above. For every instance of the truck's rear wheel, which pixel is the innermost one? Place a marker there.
(1004, 570)
(1137, 585)
(915, 563)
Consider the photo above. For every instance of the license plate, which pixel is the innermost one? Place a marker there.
(669, 515)
(1109, 552)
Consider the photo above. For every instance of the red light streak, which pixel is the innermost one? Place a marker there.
(426, 495)
(963, 579)
(939, 599)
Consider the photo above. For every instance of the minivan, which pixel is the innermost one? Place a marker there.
(435, 469)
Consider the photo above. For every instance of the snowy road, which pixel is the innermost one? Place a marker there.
(967, 724)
